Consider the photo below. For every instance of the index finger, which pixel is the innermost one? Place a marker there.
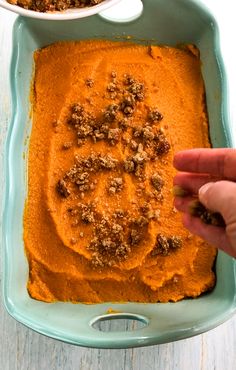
(216, 162)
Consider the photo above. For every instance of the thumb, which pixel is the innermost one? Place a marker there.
(220, 197)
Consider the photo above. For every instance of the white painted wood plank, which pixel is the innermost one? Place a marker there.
(23, 349)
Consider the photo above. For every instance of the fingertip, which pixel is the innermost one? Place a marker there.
(177, 159)
(181, 159)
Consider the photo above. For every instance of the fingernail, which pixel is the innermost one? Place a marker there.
(202, 191)
(178, 191)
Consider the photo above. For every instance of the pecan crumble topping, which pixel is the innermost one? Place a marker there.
(115, 116)
(54, 5)
(63, 189)
(157, 181)
(87, 213)
(154, 116)
(89, 82)
(165, 244)
(116, 185)
(162, 144)
(80, 173)
(115, 235)
(108, 245)
(197, 209)
(67, 145)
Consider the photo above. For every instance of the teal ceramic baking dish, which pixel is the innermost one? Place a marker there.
(163, 22)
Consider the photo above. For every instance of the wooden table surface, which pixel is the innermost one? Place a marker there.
(23, 349)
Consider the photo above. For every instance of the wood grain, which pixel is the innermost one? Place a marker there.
(23, 349)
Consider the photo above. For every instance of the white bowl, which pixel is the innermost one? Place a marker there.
(62, 15)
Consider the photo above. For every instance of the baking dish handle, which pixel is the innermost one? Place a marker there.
(122, 339)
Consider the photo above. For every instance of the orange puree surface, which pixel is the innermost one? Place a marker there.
(99, 222)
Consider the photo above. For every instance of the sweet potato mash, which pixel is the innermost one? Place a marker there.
(99, 222)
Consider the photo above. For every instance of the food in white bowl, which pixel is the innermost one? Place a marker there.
(57, 9)
(52, 5)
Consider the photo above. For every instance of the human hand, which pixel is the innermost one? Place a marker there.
(210, 175)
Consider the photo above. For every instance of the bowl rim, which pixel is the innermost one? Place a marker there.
(69, 14)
